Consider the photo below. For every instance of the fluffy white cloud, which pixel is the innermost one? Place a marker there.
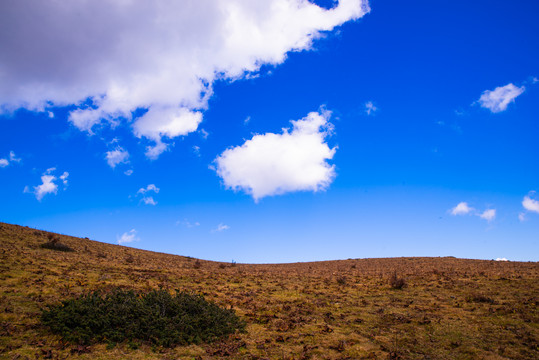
(127, 237)
(370, 108)
(461, 209)
(47, 187)
(48, 184)
(489, 214)
(4, 162)
(221, 227)
(272, 164)
(146, 199)
(530, 204)
(501, 259)
(109, 58)
(116, 156)
(497, 100)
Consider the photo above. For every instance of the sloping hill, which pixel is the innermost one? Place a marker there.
(447, 309)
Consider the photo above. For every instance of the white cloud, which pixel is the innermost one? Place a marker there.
(370, 108)
(127, 237)
(150, 187)
(461, 209)
(13, 158)
(522, 217)
(117, 156)
(148, 200)
(204, 134)
(187, 223)
(501, 259)
(109, 58)
(530, 204)
(498, 99)
(48, 184)
(273, 164)
(246, 121)
(221, 227)
(47, 187)
(489, 214)
(64, 177)
(128, 172)
(196, 150)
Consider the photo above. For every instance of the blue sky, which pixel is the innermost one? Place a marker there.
(253, 132)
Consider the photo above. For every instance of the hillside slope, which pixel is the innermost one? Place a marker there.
(448, 309)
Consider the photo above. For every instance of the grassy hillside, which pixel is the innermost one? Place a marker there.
(447, 309)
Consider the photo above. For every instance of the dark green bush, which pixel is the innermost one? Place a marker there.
(156, 317)
(55, 245)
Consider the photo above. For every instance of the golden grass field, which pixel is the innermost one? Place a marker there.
(448, 309)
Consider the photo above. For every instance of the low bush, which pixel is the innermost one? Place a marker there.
(479, 298)
(396, 282)
(55, 244)
(156, 317)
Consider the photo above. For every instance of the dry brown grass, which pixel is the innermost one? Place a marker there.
(449, 309)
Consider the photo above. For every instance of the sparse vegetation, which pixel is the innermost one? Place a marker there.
(449, 309)
(155, 317)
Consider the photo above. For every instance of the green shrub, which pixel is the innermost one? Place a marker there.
(156, 317)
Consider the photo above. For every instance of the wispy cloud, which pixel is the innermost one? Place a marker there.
(273, 164)
(11, 158)
(204, 134)
(127, 237)
(187, 223)
(221, 227)
(147, 199)
(498, 99)
(64, 177)
(117, 156)
(370, 108)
